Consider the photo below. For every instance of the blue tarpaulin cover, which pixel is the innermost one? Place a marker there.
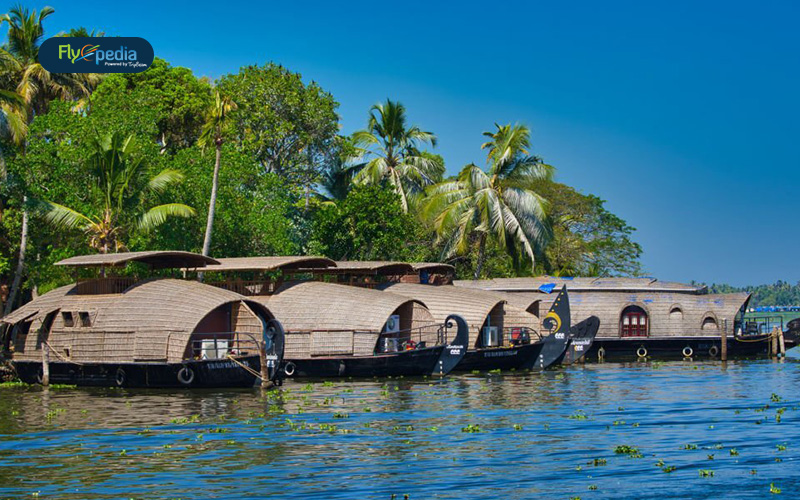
(547, 287)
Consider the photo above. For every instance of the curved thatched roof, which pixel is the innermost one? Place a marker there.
(155, 259)
(160, 304)
(472, 305)
(548, 283)
(314, 305)
(270, 263)
(433, 267)
(524, 300)
(373, 267)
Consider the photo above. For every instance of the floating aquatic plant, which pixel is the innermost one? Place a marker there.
(471, 428)
(774, 489)
(706, 473)
(734, 452)
(689, 446)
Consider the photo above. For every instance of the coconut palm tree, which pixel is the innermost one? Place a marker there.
(391, 154)
(500, 204)
(218, 123)
(21, 73)
(121, 185)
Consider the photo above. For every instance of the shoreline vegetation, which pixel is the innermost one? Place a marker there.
(254, 164)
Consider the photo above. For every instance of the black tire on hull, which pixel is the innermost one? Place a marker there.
(205, 373)
(672, 348)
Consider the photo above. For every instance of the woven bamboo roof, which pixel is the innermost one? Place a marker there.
(373, 267)
(314, 305)
(473, 305)
(158, 259)
(433, 267)
(541, 283)
(270, 263)
(167, 305)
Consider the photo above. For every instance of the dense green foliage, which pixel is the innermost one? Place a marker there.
(779, 293)
(286, 181)
(369, 224)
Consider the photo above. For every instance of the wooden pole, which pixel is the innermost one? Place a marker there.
(782, 344)
(45, 365)
(262, 354)
(723, 352)
(773, 342)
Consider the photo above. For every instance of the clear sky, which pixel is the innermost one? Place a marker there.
(684, 116)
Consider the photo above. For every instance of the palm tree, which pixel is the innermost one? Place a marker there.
(394, 148)
(21, 73)
(500, 204)
(218, 122)
(121, 184)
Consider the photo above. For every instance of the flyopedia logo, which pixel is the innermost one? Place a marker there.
(96, 55)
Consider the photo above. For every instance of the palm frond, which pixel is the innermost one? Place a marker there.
(164, 179)
(159, 214)
(62, 217)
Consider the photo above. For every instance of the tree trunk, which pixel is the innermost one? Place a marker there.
(481, 256)
(212, 205)
(23, 243)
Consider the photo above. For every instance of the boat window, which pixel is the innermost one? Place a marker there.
(676, 313)
(709, 323)
(86, 319)
(69, 321)
(633, 322)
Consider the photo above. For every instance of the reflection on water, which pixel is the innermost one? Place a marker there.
(550, 435)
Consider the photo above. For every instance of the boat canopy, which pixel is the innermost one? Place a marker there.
(160, 259)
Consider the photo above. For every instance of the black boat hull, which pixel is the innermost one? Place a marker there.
(582, 337)
(415, 362)
(677, 348)
(190, 374)
(520, 357)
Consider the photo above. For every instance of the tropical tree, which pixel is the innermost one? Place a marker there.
(218, 122)
(21, 73)
(500, 204)
(391, 152)
(121, 186)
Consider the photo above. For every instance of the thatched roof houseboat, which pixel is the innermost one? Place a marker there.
(333, 330)
(118, 330)
(641, 315)
(501, 335)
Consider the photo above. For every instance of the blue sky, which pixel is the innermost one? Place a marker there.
(682, 115)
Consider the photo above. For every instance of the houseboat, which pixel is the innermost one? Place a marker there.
(382, 274)
(115, 329)
(648, 318)
(333, 330)
(501, 336)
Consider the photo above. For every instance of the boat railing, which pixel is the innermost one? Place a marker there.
(248, 288)
(520, 335)
(221, 345)
(427, 335)
(759, 325)
(509, 336)
(100, 286)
